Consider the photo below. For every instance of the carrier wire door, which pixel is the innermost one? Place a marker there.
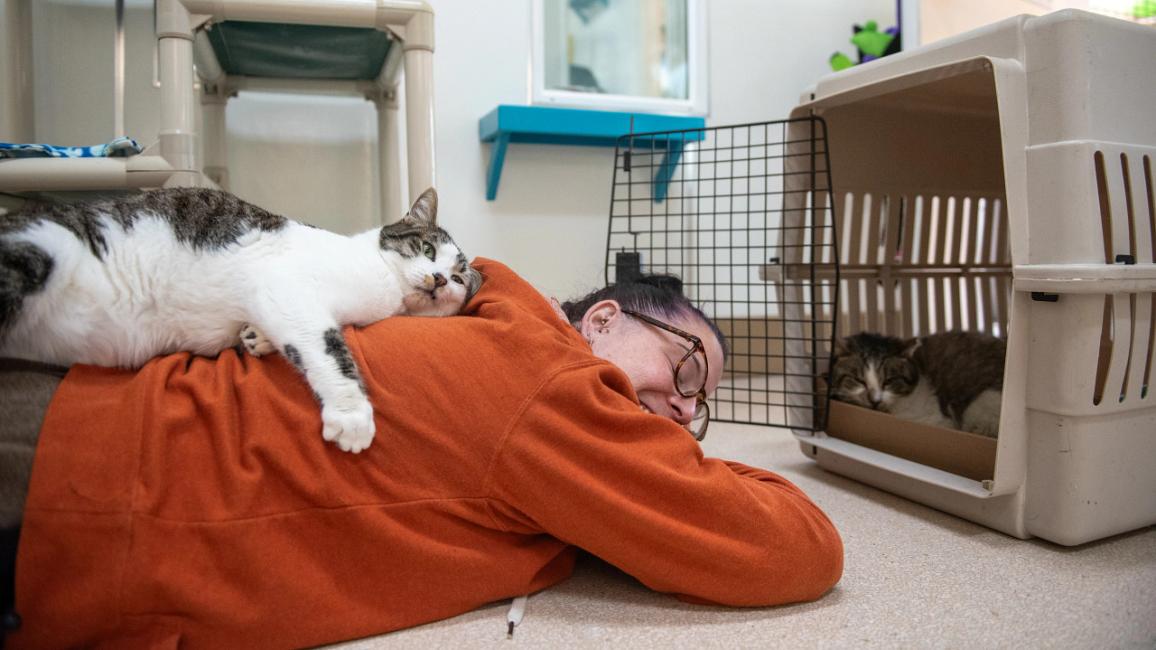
(743, 216)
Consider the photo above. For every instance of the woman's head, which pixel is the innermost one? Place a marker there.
(650, 352)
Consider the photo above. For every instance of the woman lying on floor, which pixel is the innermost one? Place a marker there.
(185, 502)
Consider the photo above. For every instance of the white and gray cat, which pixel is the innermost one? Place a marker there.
(950, 379)
(115, 283)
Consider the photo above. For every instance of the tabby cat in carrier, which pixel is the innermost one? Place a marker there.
(115, 283)
(950, 379)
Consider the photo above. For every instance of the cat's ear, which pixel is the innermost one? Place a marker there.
(841, 349)
(425, 208)
(910, 346)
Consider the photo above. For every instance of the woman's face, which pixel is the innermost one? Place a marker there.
(648, 355)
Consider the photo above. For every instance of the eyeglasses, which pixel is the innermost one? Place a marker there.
(689, 376)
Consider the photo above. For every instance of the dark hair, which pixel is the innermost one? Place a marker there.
(659, 296)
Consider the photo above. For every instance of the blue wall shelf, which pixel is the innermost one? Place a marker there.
(548, 125)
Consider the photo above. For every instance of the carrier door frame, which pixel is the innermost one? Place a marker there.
(1010, 86)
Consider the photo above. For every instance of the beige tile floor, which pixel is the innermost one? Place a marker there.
(914, 578)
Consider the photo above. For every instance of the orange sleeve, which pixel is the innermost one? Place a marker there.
(584, 464)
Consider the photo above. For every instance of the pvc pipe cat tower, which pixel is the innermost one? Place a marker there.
(182, 31)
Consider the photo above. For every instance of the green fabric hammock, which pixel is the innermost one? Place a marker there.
(286, 51)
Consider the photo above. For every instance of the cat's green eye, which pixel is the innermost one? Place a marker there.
(458, 279)
(427, 249)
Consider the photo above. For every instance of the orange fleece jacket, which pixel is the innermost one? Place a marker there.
(194, 501)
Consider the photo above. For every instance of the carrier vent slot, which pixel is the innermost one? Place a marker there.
(1147, 381)
(1151, 344)
(1106, 344)
(1106, 229)
(1151, 211)
(1131, 343)
(1128, 328)
(1126, 175)
(1117, 211)
(1126, 333)
(1139, 368)
(1128, 205)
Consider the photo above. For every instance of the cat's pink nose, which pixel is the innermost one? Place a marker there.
(439, 280)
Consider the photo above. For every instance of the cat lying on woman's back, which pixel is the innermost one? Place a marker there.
(950, 379)
(116, 283)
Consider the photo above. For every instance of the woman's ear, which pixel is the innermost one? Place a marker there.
(600, 317)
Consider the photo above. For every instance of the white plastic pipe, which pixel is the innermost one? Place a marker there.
(303, 86)
(413, 17)
(215, 143)
(341, 13)
(118, 73)
(390, 75)
(37, 174)
(208, 67)
(389, 154)
(178, 132)
(388, 137)
(419, 120)
(16, 124)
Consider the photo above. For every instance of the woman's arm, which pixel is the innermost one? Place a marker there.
(585, 465)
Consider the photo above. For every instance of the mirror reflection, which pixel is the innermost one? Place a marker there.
(617, 47)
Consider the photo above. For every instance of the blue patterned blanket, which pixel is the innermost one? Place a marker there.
(118, 147)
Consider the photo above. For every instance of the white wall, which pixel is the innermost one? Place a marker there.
(15, 71)
(550, 217)
(939, 19)
(312, 158)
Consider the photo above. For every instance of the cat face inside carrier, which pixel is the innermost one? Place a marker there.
(873, 371)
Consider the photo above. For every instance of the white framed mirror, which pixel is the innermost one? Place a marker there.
(627, 55)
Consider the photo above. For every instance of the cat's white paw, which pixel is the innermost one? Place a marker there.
(350, 426)
(255, 342)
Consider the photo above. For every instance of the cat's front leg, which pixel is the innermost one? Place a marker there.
(346, 414)
(320, 353)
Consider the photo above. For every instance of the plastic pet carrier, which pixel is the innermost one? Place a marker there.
(999, 181)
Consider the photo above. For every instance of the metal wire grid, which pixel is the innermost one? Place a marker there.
(743, 215)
